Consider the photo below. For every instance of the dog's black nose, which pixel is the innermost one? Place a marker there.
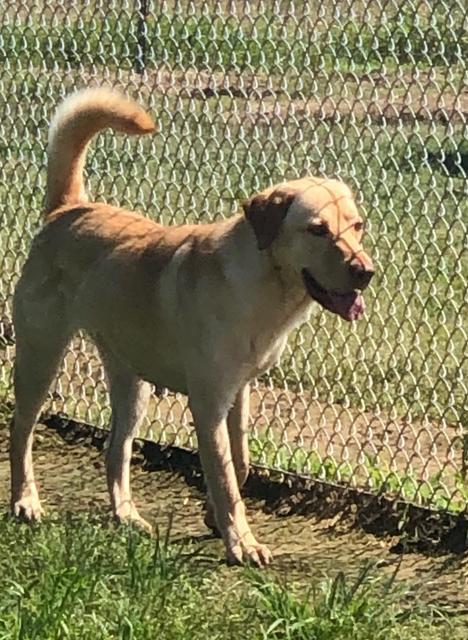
(362, 272)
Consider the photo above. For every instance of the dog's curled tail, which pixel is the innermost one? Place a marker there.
(75, 122)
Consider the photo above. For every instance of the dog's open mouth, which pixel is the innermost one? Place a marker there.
(349, 306)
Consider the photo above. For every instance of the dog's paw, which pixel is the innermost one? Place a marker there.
(27, 508)
(242, 546)
(131, 517)
(256, 554)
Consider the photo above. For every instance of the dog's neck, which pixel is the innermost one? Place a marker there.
(283, 296)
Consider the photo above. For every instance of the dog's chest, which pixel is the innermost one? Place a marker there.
(265, 354)
(269, 344)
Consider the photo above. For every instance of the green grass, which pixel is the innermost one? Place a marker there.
(74, 578)
(368, 606)
(441, 491)
(268, 44)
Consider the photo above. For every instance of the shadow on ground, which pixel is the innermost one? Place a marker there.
(71, 479)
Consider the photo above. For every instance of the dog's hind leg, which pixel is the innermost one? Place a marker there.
(38, 354)
(129, 399)
(237, 424)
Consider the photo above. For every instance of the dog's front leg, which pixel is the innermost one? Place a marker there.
(220, 475)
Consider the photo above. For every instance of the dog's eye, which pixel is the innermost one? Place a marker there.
(318, 229)
(359, 226)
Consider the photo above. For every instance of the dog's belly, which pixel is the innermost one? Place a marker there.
(150, 349)
(160, 366)
(166, 378)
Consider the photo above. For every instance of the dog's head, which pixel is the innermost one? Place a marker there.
(314, 231)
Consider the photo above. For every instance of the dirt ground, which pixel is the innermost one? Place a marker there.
(71, 479)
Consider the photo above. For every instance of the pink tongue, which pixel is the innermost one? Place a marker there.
(350, 307)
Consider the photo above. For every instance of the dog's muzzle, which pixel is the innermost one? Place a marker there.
(349, 306)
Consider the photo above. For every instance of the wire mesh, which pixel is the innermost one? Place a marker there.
(246, 94)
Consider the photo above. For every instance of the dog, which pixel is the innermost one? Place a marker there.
(199, 309)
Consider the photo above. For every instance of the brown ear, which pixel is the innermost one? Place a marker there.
(266, 215)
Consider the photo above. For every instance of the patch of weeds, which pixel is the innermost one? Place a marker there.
(373, 474)
(432, 492)
(369, 607)
(77, 578)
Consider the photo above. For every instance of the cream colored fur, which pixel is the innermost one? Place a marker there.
(200, 309)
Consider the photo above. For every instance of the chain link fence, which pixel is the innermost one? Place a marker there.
(250, 93)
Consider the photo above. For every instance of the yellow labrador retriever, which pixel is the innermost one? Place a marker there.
(199, 309)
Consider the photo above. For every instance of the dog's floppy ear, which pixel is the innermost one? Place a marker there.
(266, 214)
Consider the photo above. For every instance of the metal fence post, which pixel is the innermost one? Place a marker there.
(142, 40)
